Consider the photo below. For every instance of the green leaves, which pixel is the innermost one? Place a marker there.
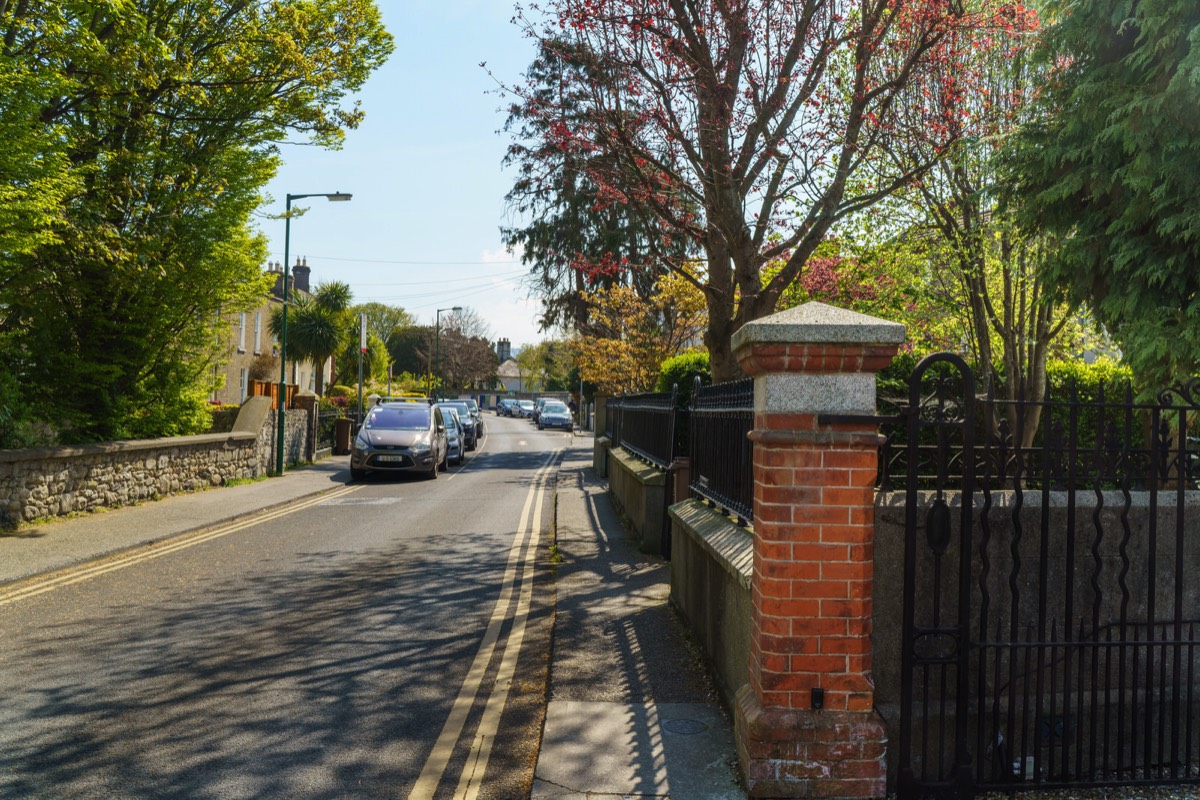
(1110, 166)
(139, 136)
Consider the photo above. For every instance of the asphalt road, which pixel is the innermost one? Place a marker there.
(364, 645)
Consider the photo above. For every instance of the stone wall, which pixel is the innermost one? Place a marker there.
(57, 481)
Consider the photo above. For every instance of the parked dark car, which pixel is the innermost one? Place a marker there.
(477, 413)
(400, 437)
(472, 428)
(456, 435)
(537, 408)
(507, 407)
(555, 414)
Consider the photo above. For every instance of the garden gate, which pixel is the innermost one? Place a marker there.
(1052, 587)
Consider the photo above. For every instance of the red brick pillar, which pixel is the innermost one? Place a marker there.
(805, 722)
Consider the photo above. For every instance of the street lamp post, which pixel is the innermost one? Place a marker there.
(335, 197)
(437, 348)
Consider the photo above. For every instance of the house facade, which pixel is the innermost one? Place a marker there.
(253, 353)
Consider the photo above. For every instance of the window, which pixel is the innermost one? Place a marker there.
(244, 388)
(242, 332)
(257, 332)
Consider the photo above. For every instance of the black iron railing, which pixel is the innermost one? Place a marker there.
(1051, 595)
(1109, 441)
(720, 419)
(644, 424)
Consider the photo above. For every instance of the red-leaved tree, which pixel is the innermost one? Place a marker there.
(746, 129)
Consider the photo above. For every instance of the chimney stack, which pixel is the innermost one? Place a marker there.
(504, 350)
(300, 273)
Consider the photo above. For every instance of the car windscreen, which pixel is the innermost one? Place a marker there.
(461, 408)
(399, 418)
(554, 408)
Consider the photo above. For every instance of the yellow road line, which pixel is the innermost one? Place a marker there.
(58, 580)
(471, 780)
(443, 748)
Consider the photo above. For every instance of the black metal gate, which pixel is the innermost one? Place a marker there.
(1052, 588)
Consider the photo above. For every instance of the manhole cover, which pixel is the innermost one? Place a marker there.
(684, 727)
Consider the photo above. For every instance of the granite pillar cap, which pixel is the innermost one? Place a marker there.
(818, 323)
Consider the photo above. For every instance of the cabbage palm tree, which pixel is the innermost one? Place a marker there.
(318, 326)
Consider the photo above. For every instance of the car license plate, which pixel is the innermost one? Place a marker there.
(392, 459)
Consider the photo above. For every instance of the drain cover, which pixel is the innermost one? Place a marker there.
(684, 727)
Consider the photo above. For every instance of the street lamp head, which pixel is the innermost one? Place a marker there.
(339, 197)
(456, 308)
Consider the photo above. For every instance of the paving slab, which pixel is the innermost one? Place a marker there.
(632, 712)
(669, 750)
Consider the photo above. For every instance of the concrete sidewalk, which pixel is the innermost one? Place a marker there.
(632, 712)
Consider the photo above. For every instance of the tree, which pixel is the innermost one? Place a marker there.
(375, 360)
(411, 349)
(1109, 166)
(383, 320)
(320, 326)
(748, 129)
(167, 118)
(567, 226)
(629, 338)
(466, 357)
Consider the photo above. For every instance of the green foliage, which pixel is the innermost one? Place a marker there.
(1110, 166)
(19, 428)
(375, 361)
(411, 349)
(682, 371)
(1088, 378)
(164, 409)
(319, 327)
(142, 134)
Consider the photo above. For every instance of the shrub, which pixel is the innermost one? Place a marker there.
(682, 371)
(19, 428)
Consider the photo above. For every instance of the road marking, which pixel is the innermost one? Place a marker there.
(478, 449)
(471, 780)
(73, 575)
(443, 748)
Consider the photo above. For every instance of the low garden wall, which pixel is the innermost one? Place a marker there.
(57, 481)
(639, 491)
(712, 561)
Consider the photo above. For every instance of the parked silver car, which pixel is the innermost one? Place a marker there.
(400, 437)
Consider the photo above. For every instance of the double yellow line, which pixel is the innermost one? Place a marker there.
(67, 577)
(521, 559)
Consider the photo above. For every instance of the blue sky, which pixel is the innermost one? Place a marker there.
(422, 231)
